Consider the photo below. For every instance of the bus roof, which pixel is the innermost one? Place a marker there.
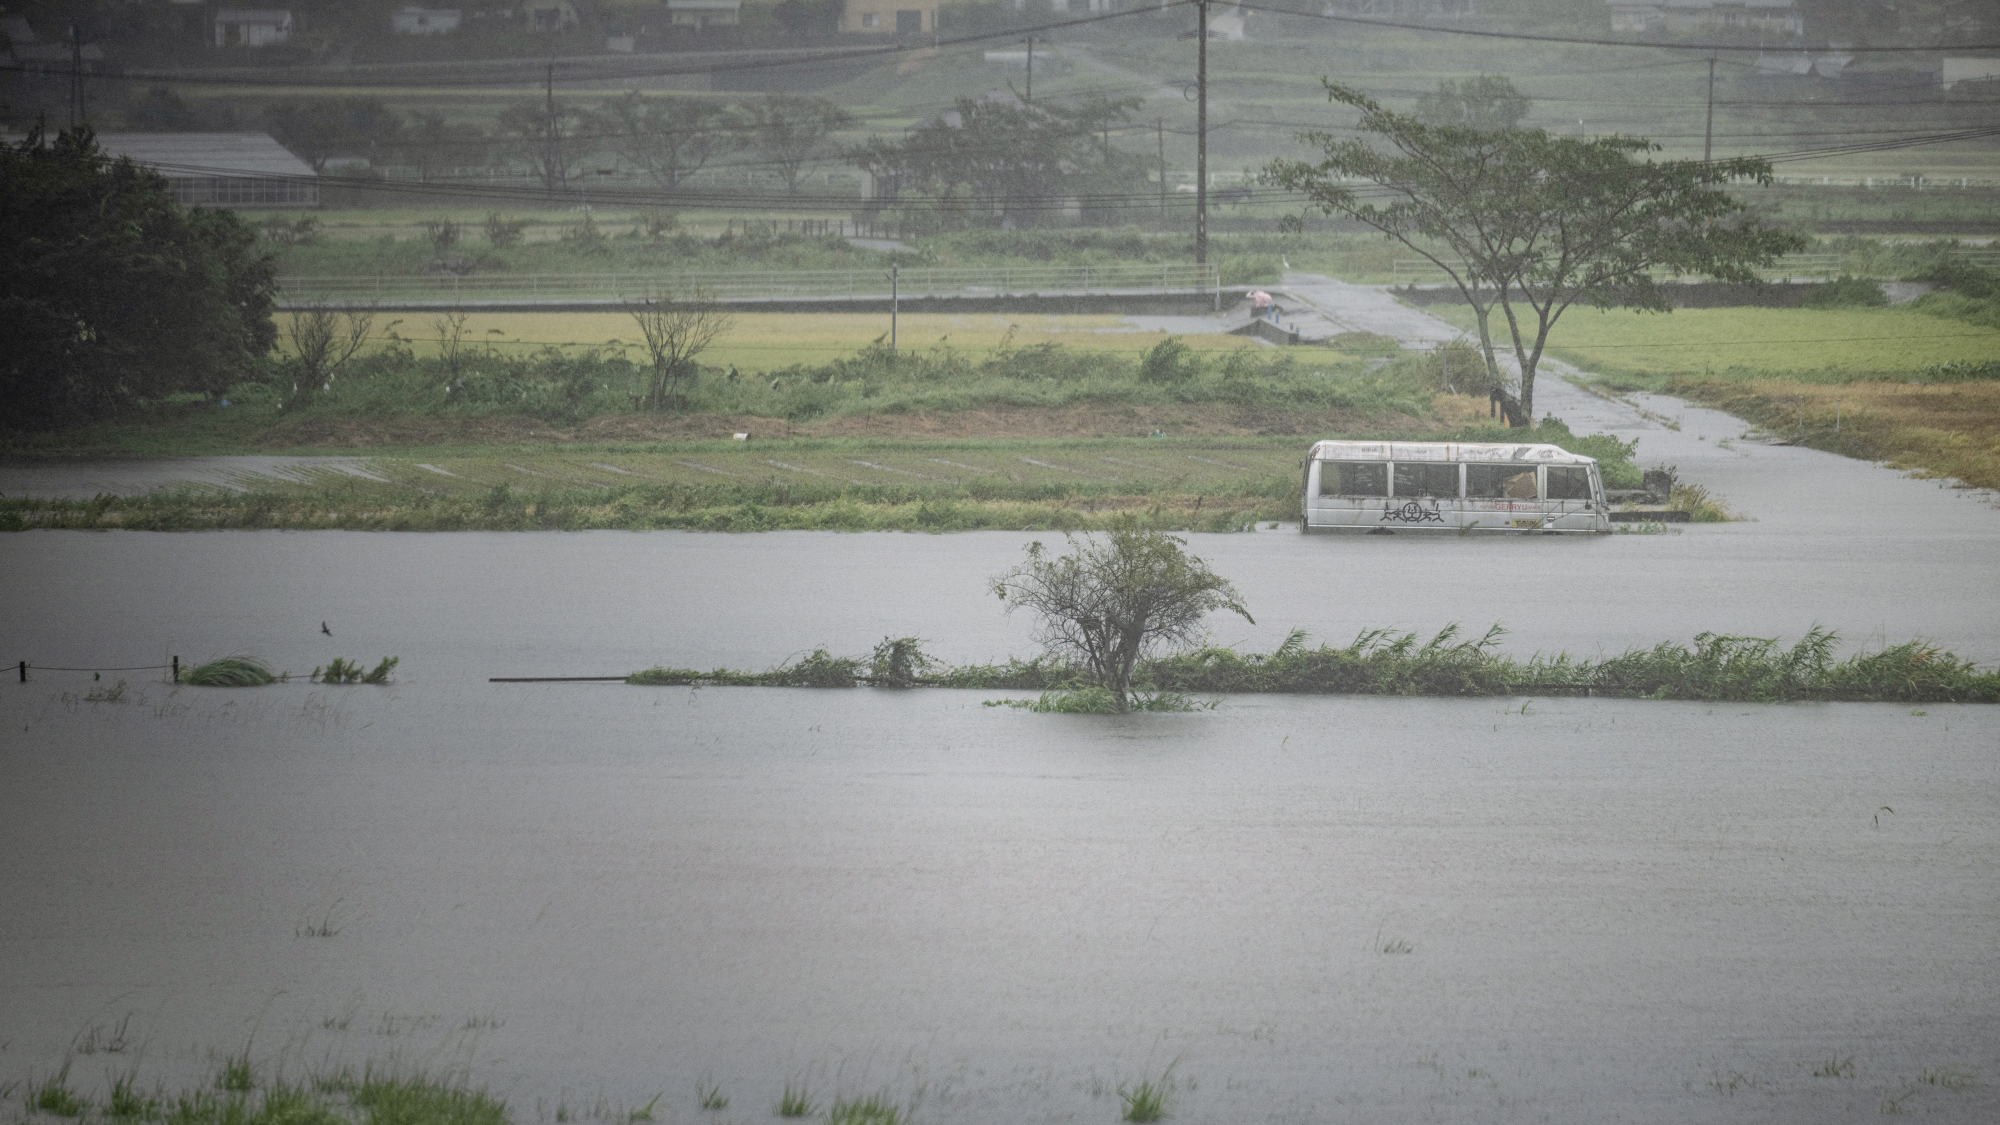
(1471, 451)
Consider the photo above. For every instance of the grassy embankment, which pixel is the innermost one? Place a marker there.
(1380, 662)
(1013, 435)
(1917, 386)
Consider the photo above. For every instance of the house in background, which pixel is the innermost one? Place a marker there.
(550, 15)
(698, 14)
(1970, 69)
(887, 17)
(233, 170)
(252, 27)
(1229, 25)
(425, 21)
(1681, 17)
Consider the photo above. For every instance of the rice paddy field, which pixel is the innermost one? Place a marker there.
(770, 341)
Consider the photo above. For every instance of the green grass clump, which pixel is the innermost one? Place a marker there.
(1718, 666)
(340, 670)
(1148, 1099)
(416, 1099)
(128, 1104)
(53, 1096)
(796, 1101)
(230, 671)
(236, 1074)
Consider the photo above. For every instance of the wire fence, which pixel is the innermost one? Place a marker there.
(24, 668)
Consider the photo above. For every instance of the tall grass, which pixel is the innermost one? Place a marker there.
(230, 671)
(1716, 666)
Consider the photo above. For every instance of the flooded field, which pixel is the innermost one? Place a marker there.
(1317, 909)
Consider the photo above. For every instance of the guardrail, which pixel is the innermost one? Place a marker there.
(873, 282)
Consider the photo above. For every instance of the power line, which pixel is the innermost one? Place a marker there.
(1520, 36)
(851, 54)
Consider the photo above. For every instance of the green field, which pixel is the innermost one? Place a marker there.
(1644, 350)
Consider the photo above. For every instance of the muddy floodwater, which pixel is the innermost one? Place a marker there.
(1310, 909)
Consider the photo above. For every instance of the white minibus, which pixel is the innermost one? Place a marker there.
(1451, 486)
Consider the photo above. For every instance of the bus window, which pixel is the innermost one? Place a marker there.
(1429, 481)
(1353, 478)
(1569, 482)
(1499, 482)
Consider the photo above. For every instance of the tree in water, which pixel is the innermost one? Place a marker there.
(1115, 598)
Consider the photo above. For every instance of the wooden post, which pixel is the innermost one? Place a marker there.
(177, 669)
(24, 671)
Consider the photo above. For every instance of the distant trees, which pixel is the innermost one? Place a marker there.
(1488, 102)
(114, 295)
(1531, 224)
(318, 129)
(1008, 162)
(670, 139)
(791, 131)
(547, 134)
(436, 144)
(1115, 598)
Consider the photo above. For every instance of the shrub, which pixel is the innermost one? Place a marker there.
(1845, 292)
(230, 671)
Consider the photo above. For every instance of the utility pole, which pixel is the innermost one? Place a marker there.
(1708, 130)
(1160, 133)
(1030, 99)
(557, 177)
(1201, 135)
(76, 110)
(895, 301)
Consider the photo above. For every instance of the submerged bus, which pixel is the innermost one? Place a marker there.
(1451, 486)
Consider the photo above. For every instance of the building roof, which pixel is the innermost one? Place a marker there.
(207, 154)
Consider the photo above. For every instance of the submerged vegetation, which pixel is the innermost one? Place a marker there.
(230, 671)
(1717, 666)
(237, 1096)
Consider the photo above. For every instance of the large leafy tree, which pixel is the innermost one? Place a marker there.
(114, 295)
(1529, 224)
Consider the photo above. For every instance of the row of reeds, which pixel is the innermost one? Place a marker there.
(1716, 666)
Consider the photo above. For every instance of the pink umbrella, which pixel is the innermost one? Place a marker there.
(1259, 299)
